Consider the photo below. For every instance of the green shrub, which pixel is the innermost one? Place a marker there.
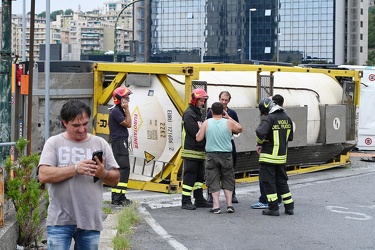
(26, 194)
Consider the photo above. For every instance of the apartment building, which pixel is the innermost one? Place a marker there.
(39, 35)
(80, 33)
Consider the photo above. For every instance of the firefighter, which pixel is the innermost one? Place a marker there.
(119, 121)
(272, 135)
(193, 152)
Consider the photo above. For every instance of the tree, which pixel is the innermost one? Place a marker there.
(371, 28)
(42, 15)
(69, 12)
(371, 37)
(55, 13)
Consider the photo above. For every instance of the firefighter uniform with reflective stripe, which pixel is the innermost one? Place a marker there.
(193, 154)
(273, 134)
(119, 140)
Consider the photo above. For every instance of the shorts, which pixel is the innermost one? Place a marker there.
(219, 171)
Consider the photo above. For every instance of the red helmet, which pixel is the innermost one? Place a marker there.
(119, 93)
(198, 94)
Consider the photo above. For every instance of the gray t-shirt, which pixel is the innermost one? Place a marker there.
(77, 200)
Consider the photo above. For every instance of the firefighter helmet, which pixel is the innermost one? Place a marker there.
(198, 94)
(119, 93)
(265, 105)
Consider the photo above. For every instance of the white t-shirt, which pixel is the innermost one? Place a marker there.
(77, 200)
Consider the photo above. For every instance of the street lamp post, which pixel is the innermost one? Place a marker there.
(250, 10)
(115, 29)
(278, 47)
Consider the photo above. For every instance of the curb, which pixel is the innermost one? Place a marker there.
(9, 232)
(109, 232)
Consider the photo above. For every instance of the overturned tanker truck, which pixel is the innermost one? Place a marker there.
(323, 105)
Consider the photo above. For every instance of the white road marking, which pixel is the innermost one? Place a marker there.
(160, 230)
(358, 216)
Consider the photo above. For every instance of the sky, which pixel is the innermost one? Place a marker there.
(40, 5)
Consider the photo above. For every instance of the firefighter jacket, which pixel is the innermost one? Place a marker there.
(190, 147)
(273, 134)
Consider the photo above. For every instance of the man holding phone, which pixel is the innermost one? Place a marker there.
(75, 201)
(119, 121)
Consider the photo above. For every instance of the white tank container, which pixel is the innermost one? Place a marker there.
(157, 124)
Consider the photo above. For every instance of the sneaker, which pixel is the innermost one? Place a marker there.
(270, 212)
(202, 203)
(289, 212)
(234, 199)
(188, 206)
(259, 205)
(230, 209)
(215, 210)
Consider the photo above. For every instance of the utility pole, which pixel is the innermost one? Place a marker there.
(31, 75)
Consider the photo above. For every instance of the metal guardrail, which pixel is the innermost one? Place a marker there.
(4, 144)
(2, 196)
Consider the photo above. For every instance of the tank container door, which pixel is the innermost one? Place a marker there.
(333, 124)
(249, 119)
(299, 118)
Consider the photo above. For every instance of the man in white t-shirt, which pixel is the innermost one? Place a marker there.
(75, 199)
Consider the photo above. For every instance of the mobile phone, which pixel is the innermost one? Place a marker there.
(98, 154)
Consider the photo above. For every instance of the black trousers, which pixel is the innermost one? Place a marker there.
(275, 181)
(121, 154)
(193, 173)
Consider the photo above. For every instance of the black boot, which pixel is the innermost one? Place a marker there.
(186, 203)
(200, 201)
(289, 208)
(273, 209)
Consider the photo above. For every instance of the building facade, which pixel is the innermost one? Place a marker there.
(230, 31)
(293, 31)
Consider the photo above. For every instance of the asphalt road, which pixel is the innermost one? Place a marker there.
(334, 209)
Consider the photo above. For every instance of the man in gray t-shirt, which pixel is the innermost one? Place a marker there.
(75, 199)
